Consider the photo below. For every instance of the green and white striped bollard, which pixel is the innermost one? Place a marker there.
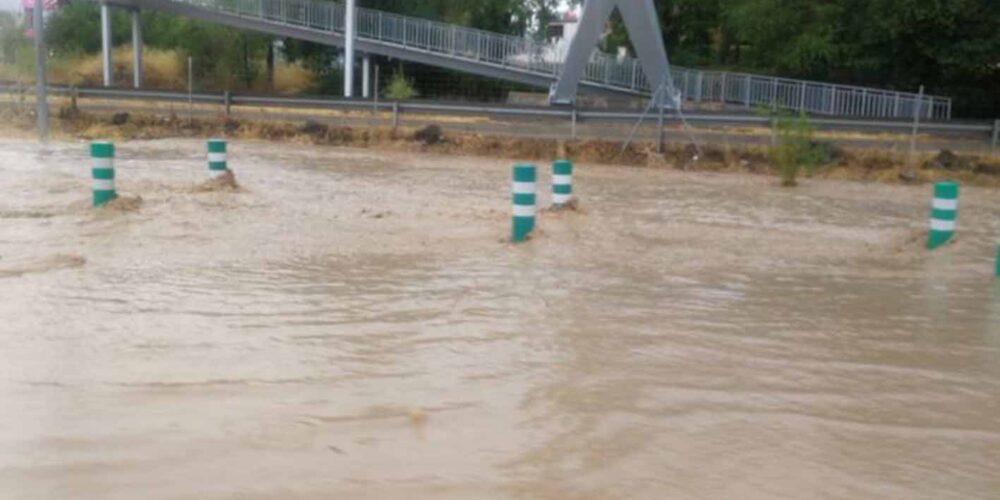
(524, 192)
(103, 172)
(562, 183)
(998, 259)
(217, 165)
(944, 214)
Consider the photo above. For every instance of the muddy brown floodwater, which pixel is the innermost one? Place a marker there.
(352, 324)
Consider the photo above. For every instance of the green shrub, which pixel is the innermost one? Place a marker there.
(399, 88)
(794, 148)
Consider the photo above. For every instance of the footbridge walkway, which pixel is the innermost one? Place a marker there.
(526, 61)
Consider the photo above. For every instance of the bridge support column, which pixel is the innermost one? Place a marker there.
(366, 76)
(106, 43)
(350, 21)
(136, 50)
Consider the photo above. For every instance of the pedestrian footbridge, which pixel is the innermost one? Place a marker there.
(522, 60)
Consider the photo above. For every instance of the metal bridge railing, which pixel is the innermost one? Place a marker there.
(619, 73)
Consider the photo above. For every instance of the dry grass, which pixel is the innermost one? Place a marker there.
(858, 165)
(162, 69)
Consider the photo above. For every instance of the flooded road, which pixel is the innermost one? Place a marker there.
(353, 325)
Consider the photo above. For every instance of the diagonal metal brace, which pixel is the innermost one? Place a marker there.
(643, 27)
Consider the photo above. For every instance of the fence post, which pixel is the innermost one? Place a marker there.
(996, 136)
(774, 93)
(895, 107)
(916, 130)
(573, 119)
(833, 100)
(227, 99)
(746, 92)
(659, 122)
(802, 99)
(724, 87)
(699, 82)
(395, 115)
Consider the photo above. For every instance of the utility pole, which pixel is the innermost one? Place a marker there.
(41, 98)
(350, 20)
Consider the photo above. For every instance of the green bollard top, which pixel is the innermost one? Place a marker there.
(946, 189)
(102, 150)
(525, 173)
(562, 167)
(216, 145)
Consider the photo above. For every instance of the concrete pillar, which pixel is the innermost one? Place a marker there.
(136, 50)
(106, 43)
(366, 70)
(350, 21)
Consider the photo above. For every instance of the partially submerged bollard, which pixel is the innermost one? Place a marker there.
(998, 259)
(217, 165)
(524, 189)
(103, 172)
(944, 213)
(562, 183)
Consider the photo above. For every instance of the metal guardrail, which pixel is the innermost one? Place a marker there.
(620, 73)
(987, 130)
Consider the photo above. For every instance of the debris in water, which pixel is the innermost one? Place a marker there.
(417, 416)
(225, 182)
(15, 268)
(122, 204)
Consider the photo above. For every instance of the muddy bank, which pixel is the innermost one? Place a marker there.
(888, 166)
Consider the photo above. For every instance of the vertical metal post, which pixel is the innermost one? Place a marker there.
(699, 85)
(895, 106)
(916, 129)
(724, 87)
(41, 97)
(774, 93)
(366, 69)
(996, 136)
(136, 50)
(227, 99)
(659, 121)
(350, 22)
(746, 92)
(574, 117)
(833, 100)
(190, 92)
(375, 101)
(802, 98)
(395, 115)
(106, 43)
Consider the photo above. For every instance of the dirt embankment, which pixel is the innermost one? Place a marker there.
(842, 164)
